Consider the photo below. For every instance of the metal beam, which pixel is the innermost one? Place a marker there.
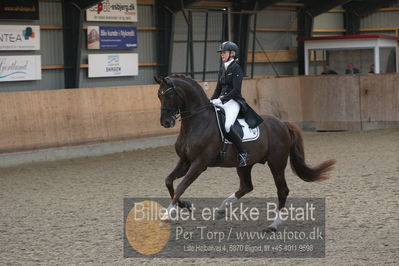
(190, 42)
(351, 22)
(242, 39)
(253, 46)
(367, 7)
(176, 5)
(84, 4)
(165, 20)
(205, 46)
(305, 26)
(316, 7)
(166, 23)
(72, 19)
(72, 30)
(355, 10)
(225, 28)
(265, 3)
(238, 5)
(290, 4)
(241, 28)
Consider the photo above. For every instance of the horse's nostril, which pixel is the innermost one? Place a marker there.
(165, 124)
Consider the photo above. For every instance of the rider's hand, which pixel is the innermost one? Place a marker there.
(216, 101)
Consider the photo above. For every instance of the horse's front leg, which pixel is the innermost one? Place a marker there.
(179, 171)
(196, 168)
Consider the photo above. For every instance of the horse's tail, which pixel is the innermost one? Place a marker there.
(297, 158)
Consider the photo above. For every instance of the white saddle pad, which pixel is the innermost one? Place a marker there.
(249, 134)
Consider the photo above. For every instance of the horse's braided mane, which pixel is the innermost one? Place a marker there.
(191, 81)
(186, 78)
(180, 76)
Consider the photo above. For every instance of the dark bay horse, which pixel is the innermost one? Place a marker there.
(199, 144)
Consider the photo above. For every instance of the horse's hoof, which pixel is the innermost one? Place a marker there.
(220, 215)
(270, 230)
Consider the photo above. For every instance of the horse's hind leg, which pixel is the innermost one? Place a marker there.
(277, 167)
(245, 187)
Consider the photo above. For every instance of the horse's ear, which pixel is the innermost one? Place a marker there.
(168, 81)
(158, 80)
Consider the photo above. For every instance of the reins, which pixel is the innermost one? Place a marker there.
(197, 111)
(176, 110)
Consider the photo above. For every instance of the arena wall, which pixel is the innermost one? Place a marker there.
(379, 97)
(331, 102)
(34, 120)
(43, 119)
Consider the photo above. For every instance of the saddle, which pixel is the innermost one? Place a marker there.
(246, 133)
(221, 114)
(240, 125)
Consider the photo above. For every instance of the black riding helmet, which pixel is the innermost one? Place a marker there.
(228, 46)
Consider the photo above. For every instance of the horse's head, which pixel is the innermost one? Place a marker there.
(170, 100)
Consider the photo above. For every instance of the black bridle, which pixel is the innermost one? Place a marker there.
(177, 110)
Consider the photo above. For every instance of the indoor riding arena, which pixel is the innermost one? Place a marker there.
(95, 94)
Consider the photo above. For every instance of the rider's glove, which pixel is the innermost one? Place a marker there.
(216, 101)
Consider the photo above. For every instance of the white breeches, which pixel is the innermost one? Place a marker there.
(231, 108)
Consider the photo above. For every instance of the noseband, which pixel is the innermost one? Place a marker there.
(171, 89)
(177, 110)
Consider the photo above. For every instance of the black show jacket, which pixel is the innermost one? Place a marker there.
(229, 87)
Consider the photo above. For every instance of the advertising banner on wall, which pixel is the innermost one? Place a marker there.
(15, 68)
(19, 37)
(19, 9)
(113, 65)
(102, 37)
(113, 10)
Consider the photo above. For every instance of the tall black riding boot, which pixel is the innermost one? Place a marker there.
(242, 155)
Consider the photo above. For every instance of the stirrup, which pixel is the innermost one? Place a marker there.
(242, 159)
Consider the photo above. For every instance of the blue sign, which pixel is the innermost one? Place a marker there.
(104, 37)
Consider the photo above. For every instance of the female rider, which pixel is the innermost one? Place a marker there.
(227, 95)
